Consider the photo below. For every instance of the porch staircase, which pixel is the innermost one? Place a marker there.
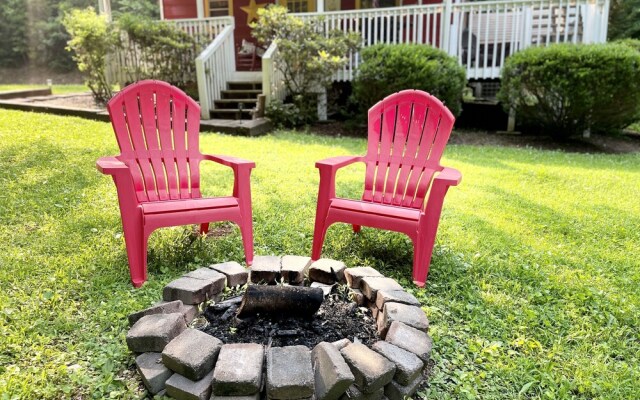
(238, 101)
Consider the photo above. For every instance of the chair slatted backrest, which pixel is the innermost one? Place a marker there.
(157, 128)
(408, 132)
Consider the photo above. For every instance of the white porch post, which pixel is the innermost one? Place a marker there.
(200, 8)
(104, 8)
(161, 5)
(320, 6)
(445, 30)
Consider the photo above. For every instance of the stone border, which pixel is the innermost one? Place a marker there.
(185, 363)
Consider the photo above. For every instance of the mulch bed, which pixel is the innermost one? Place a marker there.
(337, 318)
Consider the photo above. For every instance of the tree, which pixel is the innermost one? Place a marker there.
(624, 19)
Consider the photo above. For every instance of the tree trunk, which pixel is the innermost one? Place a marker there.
(280, 301)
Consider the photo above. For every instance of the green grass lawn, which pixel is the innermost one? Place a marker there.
(533, 291)
(55, 89)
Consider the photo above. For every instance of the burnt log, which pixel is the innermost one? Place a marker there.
(280, 301)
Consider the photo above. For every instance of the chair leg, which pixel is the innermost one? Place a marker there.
(136, 243)
(422, 252)
(246, 230)
(319, 233)
(204, 228)
(356, 228)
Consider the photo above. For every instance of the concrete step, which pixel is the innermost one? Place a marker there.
(235, 103)
(243, 127)
(241, 94)
(240, 85)
(231, 113)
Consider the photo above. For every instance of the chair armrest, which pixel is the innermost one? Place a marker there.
(335, 163)
(111, 166)
(228, 161)
(449, 177)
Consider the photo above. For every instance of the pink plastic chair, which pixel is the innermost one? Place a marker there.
(408, 132)
(157, 173)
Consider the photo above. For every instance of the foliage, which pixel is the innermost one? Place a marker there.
(13, 23)
(91, 40)
(624, 19)
(386, 69)
(566, 89)
(141, 8)
(633, 43)
(156, 50)
(288, 114)
(308, 54)
(533, 292)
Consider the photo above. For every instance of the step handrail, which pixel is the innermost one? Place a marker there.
(214, 67)
(272, 78)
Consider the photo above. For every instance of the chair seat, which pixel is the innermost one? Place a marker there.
(171, 206)
(376, 209)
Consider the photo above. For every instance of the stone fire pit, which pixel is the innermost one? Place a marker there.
(177, 358)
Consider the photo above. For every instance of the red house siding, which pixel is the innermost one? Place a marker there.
(177, 9)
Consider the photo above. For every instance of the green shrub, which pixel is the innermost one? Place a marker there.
(633, 43)
(308, 56)
(91, 40)
(157, 50)
(13, 18)
(386, 69)
(567, 89)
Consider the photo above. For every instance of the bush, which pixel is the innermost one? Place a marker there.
(157, 50)
(568, 89)
(91, 39)
(387, 69)
(308, 56)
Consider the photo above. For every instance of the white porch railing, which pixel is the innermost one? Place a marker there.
(125, 65)
(214, 67)
(272, 78)
(480, 34)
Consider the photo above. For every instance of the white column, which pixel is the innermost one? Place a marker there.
(319, 6)
(104, 8)
(200, 7)
(161, 5)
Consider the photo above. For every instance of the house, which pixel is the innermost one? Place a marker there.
(480, 34)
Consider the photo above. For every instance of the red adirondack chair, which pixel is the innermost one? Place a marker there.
(157, 173)
(408, 132)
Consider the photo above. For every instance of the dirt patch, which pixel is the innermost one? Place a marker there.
(337, 318)
(81, 100)
(627, 143)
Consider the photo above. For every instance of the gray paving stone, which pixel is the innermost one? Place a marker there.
(153, 372)
(249, 397)
(327, 271)
(238, 371)
(236, 274)
(192, 354)
(326, 289)
(182, 388)
(396, 391)
(189, 290)
(409, 315)
(408, 365)
(410, 339)
(353, 393)
(289, 373)
(371, 284)
(332, 374)
(167, 307)
(355, 275)
(265, 269)
(357, 297)
(190, 312)
(342, 343)
(294, 268)
(395, 296)
(218, 279)
(153, 332)
(371, 370)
